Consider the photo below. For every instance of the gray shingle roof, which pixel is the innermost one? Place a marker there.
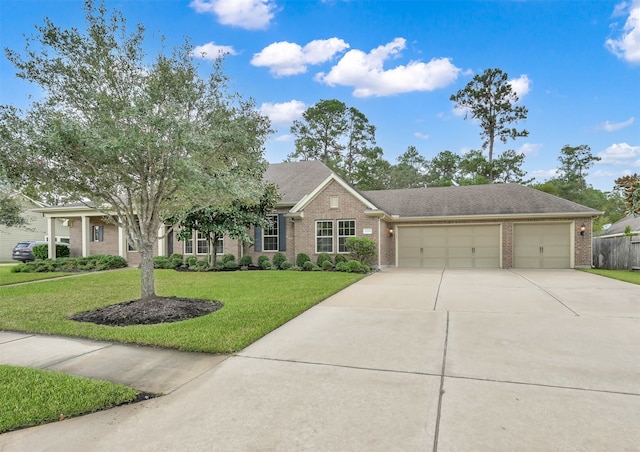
(495, 199)
(619, 226)
(296, 179)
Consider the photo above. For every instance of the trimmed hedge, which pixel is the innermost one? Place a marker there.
(66, 264)
(42, 251)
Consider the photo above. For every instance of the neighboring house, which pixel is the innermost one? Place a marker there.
(34, 230)
(487, 226)
(617, 249)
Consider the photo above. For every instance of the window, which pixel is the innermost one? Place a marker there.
(324, 236)
(202, 243)
(346, 229)
(188, 246)
(97, 233)
(270, 234)
(220, 246)
(333, 202)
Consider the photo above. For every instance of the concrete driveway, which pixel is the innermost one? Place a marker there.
(408, 360)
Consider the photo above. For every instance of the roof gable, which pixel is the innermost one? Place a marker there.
(300, 206)
(295, 180)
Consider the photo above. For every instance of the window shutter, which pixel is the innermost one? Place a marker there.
(257, 238)
(101, 234)
(282, 233)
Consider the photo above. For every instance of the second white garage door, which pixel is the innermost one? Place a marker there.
(449, 246)
(542, 245)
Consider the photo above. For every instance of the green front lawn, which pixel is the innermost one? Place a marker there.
(255, 303)
(622, 275)
(6, 277)
(34, 396)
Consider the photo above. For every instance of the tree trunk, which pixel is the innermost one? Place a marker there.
(147, 276)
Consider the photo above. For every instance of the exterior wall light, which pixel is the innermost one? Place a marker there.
(582, 229)
(391, 232)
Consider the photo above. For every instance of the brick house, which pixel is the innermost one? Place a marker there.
(488, 226)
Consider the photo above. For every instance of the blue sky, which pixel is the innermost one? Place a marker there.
(574, 64)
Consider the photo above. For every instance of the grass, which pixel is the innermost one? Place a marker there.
(33, 396)
(255, 303)
(622, 275)
(6, 277)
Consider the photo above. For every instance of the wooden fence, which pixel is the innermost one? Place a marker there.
(616, 253)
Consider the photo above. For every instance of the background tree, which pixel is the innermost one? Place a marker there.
(410, 171)
(11, 211)
(575, 161)
(232, 219)
(443, 169)
(342, 138)
(372, 172)
(474, 168)
(508, 168)
(490, 99)
(629, 186)
(144, 140)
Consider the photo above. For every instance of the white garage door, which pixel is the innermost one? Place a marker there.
(542, 245)
(449, 246)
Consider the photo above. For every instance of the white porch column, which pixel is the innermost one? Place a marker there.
(51, 232)
(122, 242)
(162, 241)
(85, 235)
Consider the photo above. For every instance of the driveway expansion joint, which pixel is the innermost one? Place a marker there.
(441, 389)
(545, 291)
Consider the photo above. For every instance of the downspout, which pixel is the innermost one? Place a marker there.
(379, 244)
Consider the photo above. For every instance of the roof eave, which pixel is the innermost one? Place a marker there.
(518, 216)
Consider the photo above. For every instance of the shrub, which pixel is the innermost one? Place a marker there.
(191, 261)
(227, 258)
(262, 260)
(246, 260)
(301, 259)
(327, 265)
(110, 261)
(202, 266)
(362, 249)
(175, 260)
(161, 262)
(308, 266)
(218, 266)
(339, 258)
(286, 265)
(342, 266)
(231, 265)
(42, 251)
(265, 264)
(322, 258)
(356, 267)
(278, 259)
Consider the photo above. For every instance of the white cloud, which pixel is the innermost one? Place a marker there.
(212, 51)
(366, 73)
(288, 58)
(422, 136)
(613, 126)
(620, 154)
(521, 85)
(529, 149)
(283, 138)
(283, 113)
(627, 44)
(248, 14)
(545, 174)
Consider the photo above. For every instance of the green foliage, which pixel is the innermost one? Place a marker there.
(231, 265)
(42, 251)
(326, 265)
(286, 265)
(308, 266)
(228, 258)
(191, 261)
(116, 120)
(11, 211)
(489, 98)
(352, 266)
(340, 258)
(301, 259)
(627, 231)
(175, 260)
(98, 262)
(246, 260)
(161, 262)
(362, 249)
(278, 259)
(323, 257)
(343, 267)
(629, 189)
(203, 266)
(262, 260)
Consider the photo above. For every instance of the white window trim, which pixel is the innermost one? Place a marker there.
(216, 245)
(324, 236)
(197, 239)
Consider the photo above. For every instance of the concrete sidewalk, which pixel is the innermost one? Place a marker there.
(404, 360)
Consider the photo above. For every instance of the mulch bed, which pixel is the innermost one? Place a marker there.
(149, 312)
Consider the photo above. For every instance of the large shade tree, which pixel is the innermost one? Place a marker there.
(490, 99)
(143, 139)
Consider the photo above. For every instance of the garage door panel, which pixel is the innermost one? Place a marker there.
(449, 246)
(542, 245)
